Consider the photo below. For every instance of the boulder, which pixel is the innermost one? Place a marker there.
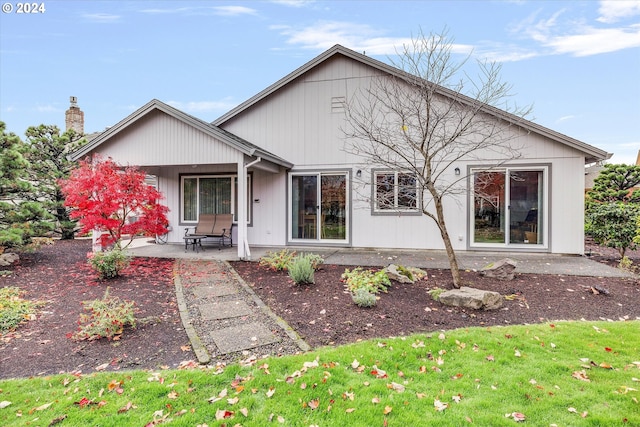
(501, 270)
(8, 258)
(394, 274)
(473, 298)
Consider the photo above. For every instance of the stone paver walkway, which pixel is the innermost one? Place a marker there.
(224, 318)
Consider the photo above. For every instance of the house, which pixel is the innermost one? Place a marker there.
(277, 162)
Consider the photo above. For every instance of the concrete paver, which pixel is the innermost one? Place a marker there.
(243, 337)
(217, 290)
(224, 310)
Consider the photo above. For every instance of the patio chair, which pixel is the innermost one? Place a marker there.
(222, 229)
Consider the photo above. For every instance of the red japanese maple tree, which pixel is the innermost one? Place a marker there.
(114, 200)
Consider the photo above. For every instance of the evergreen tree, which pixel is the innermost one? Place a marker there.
(47, 152)
(20, 217)
(615, 183)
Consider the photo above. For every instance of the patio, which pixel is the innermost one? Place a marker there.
(541, 263)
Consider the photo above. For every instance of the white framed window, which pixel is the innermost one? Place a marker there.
(211, 194)
(395, 191)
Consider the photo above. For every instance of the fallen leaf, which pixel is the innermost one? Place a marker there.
(233, 400)
(271, 391)
(313, 404)
(375, 400)
(222, 414)
(4, 404)
(125, 408)
(185, 347)
(349, 410)
(387, 410)
(397, 387)
(581, 375)
(244, 411)
(608, 349)
(440, 406)
(102, 367)
(355, 364)
(172, 395)
(518, 416)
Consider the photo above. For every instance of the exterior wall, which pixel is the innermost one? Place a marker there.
(298, 124)
(159, 139)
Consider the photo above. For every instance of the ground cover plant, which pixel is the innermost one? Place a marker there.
(564, 373)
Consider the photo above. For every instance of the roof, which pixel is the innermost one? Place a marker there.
(208, 128)
(592, 154)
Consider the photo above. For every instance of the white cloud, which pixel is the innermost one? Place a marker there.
(222, 105)
(359, 37)
(194, 11)
(593, 41)
(558, 34)
(293, 3)
(101, 18)
(565, 118)
(47, 109)
(615, 10)
(234, 10)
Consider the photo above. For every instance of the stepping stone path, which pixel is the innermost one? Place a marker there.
(230, 321)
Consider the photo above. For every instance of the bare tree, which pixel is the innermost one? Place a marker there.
(427, 115)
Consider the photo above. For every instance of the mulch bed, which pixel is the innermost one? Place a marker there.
(323, 314)
(59, 276)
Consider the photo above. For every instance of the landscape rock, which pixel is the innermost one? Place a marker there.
(501, 270)
(8, 258)
(473, 298)
(394, 274)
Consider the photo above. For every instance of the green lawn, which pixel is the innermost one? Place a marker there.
(564, 374)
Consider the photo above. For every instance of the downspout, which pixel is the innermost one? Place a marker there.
(245, 241)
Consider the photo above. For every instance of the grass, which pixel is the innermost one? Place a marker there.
(564, 374)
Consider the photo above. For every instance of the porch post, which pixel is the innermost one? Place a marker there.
(242, 208)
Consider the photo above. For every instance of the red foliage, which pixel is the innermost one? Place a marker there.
(107, 197)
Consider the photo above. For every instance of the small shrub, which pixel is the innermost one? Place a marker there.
(373, 282)
(316, 260)
(14, 309)
(278, 261)
(301, 270)
(625, 263)
(363, 298)
(435, 293)
(104, 318)
(110, 263)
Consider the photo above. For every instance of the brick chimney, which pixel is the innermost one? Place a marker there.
(74, 117)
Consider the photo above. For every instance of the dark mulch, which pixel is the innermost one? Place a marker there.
(59, 276)
(322, 313)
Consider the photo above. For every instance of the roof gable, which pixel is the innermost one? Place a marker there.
(592, 154)
(155, 105)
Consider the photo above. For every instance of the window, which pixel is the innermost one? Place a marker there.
(215, 194)
(395, 191)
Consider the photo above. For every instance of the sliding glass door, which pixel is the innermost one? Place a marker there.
(318, 207)
(508, 207)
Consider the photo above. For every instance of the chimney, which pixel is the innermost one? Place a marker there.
(74, 117)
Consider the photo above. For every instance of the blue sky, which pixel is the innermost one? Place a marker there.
(576, 62)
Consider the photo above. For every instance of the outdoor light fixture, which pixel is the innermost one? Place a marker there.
(457, 171)
(359, 173)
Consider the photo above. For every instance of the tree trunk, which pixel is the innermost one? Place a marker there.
(451, 254)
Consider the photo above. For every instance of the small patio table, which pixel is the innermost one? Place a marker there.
(195, 240)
